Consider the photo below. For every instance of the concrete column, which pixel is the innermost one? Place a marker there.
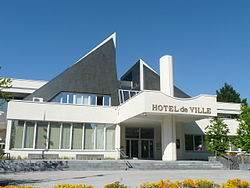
(166, 75)
(117, 140)
(8, 136)
(168, 138)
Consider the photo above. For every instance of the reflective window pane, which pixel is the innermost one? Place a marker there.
(70, 98)
(77, 136)
(93, 100)
(78, 99)
(57, 98)
(125, 95)
(54, 137)
(132, 132)
(132, 93)
(89, 136)
(64, 98)
(29, 134)
(147, 133)
(86, 99)
(121, 96)
(41, 135)
(16, 134)
(110, 137)
(100, 137)
(198, 143)
(65, 136)
(189, 145)
(106, 101)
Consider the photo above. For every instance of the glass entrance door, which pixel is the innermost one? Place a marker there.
(140, 143)
(132, 148)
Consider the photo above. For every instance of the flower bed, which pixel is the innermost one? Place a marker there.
(236, 183)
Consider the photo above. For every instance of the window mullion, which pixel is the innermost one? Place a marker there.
(71, 136)
(95, 137)
(34, 136)
(83, 135)
(104, 137)
(47, 139)
(24, 130)
(193, 143)
(60, 140)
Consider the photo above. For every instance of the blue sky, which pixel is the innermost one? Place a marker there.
(210, 40)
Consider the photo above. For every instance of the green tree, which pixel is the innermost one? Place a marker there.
(5, 83)
(242, 139)
(216, 135)
(228, 94)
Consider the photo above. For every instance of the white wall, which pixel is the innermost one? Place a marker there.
(27, 110)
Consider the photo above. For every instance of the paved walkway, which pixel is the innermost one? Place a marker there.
(129, 178)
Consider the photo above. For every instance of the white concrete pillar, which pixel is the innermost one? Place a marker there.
(168, 135)
(8, 136)
(166, 75)
(117, 140)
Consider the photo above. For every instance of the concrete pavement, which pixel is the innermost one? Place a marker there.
(130, 178)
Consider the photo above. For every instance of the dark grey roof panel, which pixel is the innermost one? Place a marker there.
(95, 73)
(150, 78)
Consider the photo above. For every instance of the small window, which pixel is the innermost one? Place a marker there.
(106, 101)
(125, 95)
(100, 100)
(92, 100)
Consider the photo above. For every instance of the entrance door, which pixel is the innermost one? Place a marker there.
(140, 143)
(132, 148)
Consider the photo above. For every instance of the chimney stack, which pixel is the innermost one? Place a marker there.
(166, 75)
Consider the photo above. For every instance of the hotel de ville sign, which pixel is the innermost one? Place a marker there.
(181, 109)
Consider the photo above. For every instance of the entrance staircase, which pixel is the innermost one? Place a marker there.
(110, 165)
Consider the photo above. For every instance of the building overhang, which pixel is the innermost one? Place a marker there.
(159, 104)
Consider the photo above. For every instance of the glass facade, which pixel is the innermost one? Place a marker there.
(124, 95)
(57, 135)
(84, 99)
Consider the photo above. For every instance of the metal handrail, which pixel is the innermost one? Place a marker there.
(229, 161)
(125, 157)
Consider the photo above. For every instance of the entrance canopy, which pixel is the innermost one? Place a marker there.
(156, 103)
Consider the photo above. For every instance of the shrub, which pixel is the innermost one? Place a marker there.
(72, 186)
(115, 185)
(236, 183)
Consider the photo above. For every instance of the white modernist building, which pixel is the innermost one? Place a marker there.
(86, 112)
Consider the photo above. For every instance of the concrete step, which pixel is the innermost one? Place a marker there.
(75, 165)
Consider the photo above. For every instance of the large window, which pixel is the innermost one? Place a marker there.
(77, 136)
(89, 136)
(17, 134)
(194, 142)
(65, 136)
(29, 134)
(41, 135)
(84, 99)
(110, 137)
(54, 137)
(100, 137)
(57, 135)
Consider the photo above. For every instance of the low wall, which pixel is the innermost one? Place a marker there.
(31, 165)
(233, 162)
